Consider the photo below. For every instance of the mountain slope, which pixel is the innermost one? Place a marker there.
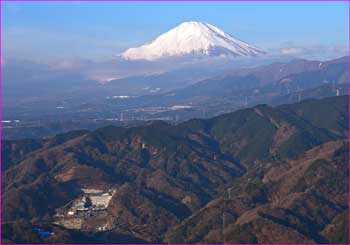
(168, 176)
(295, 76)
(192, 38)
(300, 200)
(275, 84)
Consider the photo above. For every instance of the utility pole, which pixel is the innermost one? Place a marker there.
(223, 221)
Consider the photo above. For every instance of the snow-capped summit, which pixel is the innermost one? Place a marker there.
(192, 38)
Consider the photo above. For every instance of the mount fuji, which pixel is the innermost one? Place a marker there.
(193, 39)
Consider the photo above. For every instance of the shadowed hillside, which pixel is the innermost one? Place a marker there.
(259, 175)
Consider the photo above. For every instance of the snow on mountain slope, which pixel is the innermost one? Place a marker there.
(192, 38)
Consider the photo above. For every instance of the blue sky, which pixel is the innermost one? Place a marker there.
(98, 30)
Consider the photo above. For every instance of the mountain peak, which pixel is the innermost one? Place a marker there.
(194, 39)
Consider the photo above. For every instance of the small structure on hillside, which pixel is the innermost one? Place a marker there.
(83, 211)
(93, 199)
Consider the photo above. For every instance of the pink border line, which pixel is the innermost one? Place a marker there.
(174, 0)
(349, 120)
(0, 122)
(164, 1)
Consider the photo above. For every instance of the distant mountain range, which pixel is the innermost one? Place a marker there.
(258, 175)
(275, 83)
(293, 76)
(174, 96)
(192, 39)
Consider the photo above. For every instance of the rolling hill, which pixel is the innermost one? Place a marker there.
(235, 178)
